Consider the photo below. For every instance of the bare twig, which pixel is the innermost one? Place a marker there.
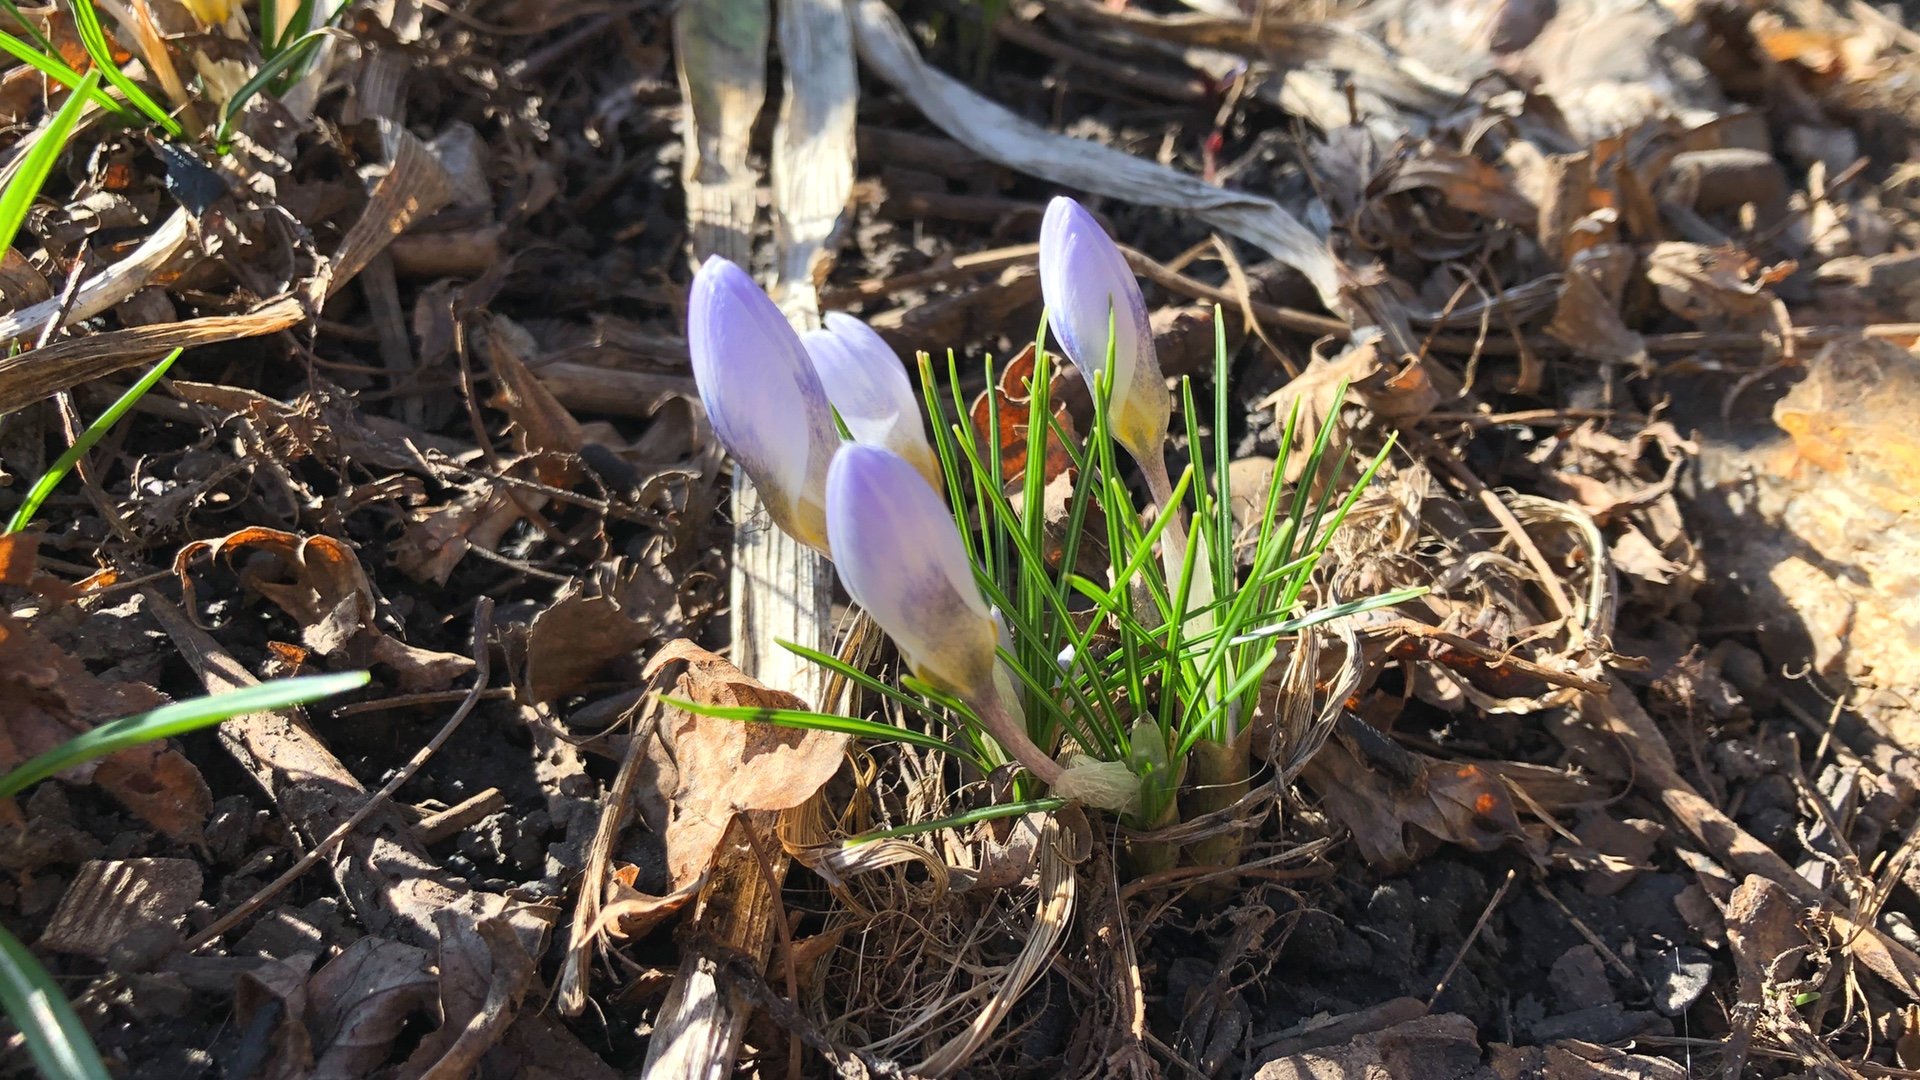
(482, 661)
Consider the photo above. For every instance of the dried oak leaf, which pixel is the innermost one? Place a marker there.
(361, 1000)
(1458, 802)
(574, 638)
(1000, 415)
(51, 697)
(725, 767)
(318, 581)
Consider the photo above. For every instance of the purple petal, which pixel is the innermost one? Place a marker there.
(1083, 277)
(867, 384)
(900, 556)
(762, 397)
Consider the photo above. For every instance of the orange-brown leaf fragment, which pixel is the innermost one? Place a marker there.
(1000, 415)
(52, 697)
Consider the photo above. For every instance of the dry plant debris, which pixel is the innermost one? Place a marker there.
(1630, 793)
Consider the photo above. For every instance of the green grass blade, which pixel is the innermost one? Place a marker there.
(861, 679)
(817, 721)
(56, 1038)
(93, 38)
(1331, 612)
(65, 463)
(175, 719)
(1223, 500)
(33, 31)
(958, 821)
(278, 64)
(25, 186)
(48, 63)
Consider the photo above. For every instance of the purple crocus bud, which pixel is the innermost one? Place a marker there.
(869, 387)
(1088, 287)
(762, 397)
(900, 556)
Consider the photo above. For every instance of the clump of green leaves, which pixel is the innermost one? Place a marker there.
(1135, 669)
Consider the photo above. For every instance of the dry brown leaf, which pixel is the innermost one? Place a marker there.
(1587, 317)
(359, 1002)
(629, 913)
(1457, 802)
(271, 999)
(110, 900)
(1701, 283)
(542, 425)
(726, 767)
(53, 697)
(319, 582)
(1465, 181)
(573, 638)
(1000, 417)
(19, 558)
(485, 971)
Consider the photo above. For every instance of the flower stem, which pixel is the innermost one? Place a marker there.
(1160, 486)
(1013, 738)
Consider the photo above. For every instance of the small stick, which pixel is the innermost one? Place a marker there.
(1458, 957)
(482, 662)
(1593, 939)
(438, 826)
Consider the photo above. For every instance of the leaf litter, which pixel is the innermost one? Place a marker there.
(1630, 788)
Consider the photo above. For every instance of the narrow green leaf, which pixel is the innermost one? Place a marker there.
(959, 821)
(25, 186)
(48, 63)
(817, 721)
(93, 38)
(94, 432)
(58, 1041)
(276, 65)
(176, 719)
(1333, 611)
(861, 678)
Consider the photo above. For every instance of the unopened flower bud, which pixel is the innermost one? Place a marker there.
(762, 397)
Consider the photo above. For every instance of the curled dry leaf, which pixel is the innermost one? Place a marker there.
(1458, 802)
(690, 782)
(359, 1002)
(319, 582)
(574, 638)
(724, 767)
(53, 697)
(1399, 393)
(1000, 415)
(1701, 283)
(485, 971)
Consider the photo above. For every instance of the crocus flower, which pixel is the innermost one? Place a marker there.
(1088, 287)
(866, 383)
(900, 556)
(762, 397)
